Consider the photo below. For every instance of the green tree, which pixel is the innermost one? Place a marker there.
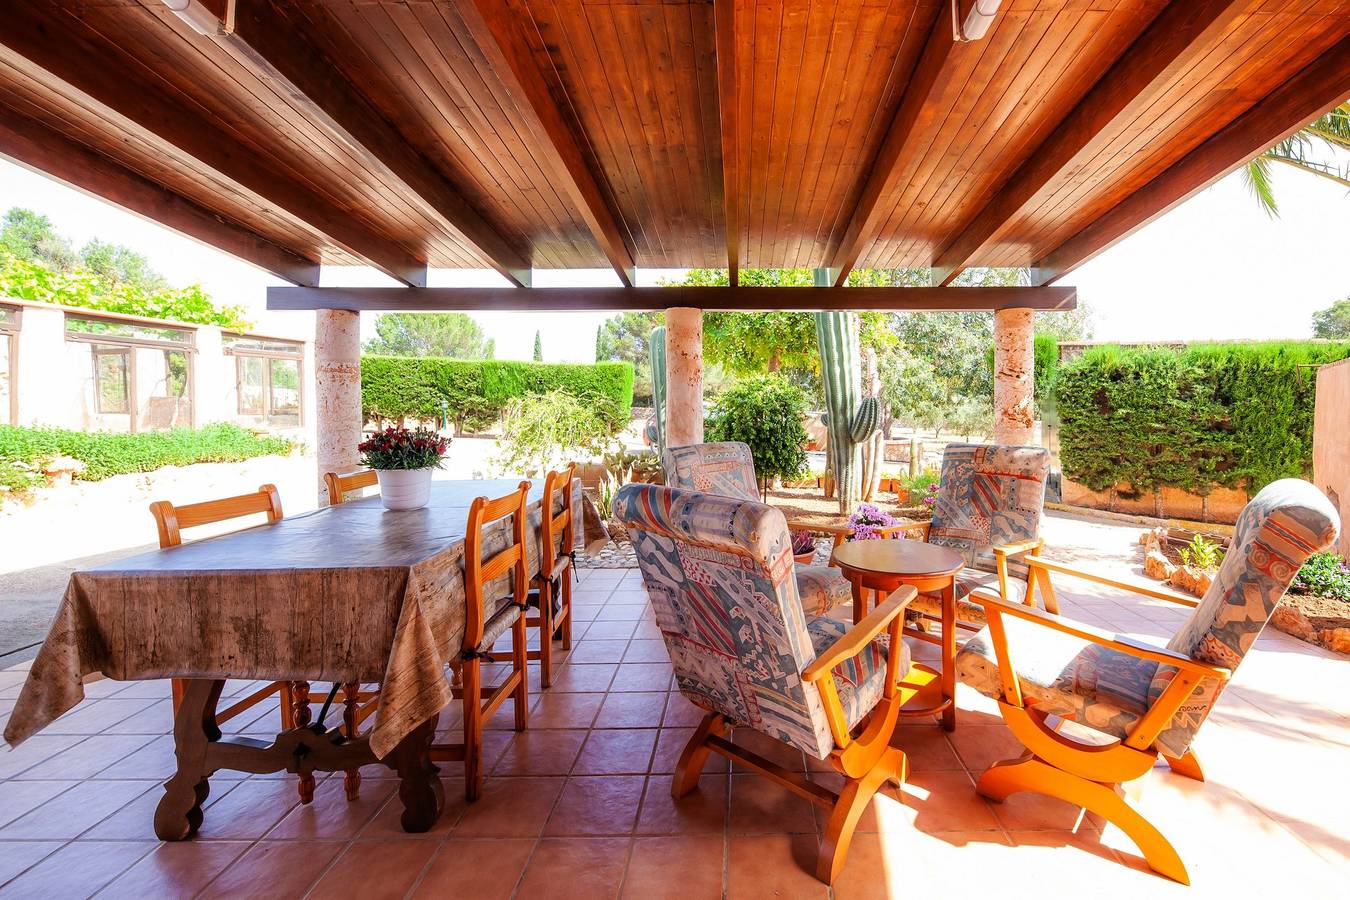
(119, 266)
(1333, 323)
(454, 335)
(765, 412)
(30, 236)
(1299, 151)
(538, 347)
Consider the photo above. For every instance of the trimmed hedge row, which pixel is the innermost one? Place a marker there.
(477, 391)
(1231, 415)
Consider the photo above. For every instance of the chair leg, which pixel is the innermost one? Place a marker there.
(848, 809)
(566, 581)
(695, 755)
(351, 693)
(1029, 773)
(1188, 764)
(470, 673)
(520, 663)
(546, 634)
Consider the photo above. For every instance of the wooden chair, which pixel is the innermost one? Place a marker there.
(718, 571)
(488, 616)
(339, 485)
(1151, 700)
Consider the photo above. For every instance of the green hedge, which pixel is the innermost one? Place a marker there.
(476, 391)
(106, 455)
(1233, 415)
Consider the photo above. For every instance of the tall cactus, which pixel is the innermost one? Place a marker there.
(851, 419)
(657, 348)
(874, 447)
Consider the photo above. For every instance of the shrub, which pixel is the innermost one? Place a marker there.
(106, 455)
(476, 392)
(766, 414)
(541, 431)
(1234, 415)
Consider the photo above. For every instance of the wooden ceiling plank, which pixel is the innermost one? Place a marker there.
(1315, 89)
(914, 299)
(492, 26)
(724, 14)
(44, 150)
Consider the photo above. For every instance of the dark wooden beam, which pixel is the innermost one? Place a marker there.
(1317, 88)
(1180, 35)
(724, 15)
(492, 24)
(932, 76)
(55, 46)
(37, 147)
(910, 299)
(280, 53)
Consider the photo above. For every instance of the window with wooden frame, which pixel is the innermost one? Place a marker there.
(268, 379)
(9, 351)
(141, 370)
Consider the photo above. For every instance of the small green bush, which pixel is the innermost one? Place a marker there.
(765, 413)
(1325, 575)
(542, 431)
(106, 455)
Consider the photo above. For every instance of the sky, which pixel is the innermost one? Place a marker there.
(1215, 267)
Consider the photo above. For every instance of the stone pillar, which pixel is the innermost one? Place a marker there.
(337, 391)
(1014, 376)
(1331, 442)
(684, 376)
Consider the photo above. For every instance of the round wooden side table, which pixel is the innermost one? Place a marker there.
(880, 567)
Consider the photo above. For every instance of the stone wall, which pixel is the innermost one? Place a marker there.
(1221, 505)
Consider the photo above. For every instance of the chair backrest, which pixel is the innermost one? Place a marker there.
(506, 559)
(172, 520)
(989, 495)
(557, 536)
(339, 485)
(726, 469)
(1284, 524)
(720, 575)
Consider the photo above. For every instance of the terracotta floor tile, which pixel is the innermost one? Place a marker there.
(582, 612)
(544, 752)
(565, 710)
(927, 748)
(250, 810)
(18, 797)
(773, 750)
(1028, 812)
(946, 801)
(647, 630)
(175, 870)
(702, 811)
(78, 869)
(611, 631)
(776, 865)
(458, 869)
(510, 807)
(646, 651)
(979, 747)
(642, 677)
(598, 651)
(603, 805)
(273, 870)
(761, 806)
(616, 752)
(671, 743)
(583, 678)
(631, 710)
(374, 870)
(87, 758)
(74, 811)
(154, 719)
(93, 716)
(675, 868)
(331, 816)
(681, 713)
(387, 822)
(575, 869)
(36, 749)
(622, 612)
(15, 856)
(136, 820)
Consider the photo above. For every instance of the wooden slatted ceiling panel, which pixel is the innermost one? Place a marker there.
(1037, 62)
(258, 113)
(638, 80)
(24, 92)
(417, 64)
(818, 84)
(1258, 52)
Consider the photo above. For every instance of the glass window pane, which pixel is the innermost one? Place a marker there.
(239, 342)
(116, 328)
(9, 317)
(110, 382)
(251, 372)
(285, 387)
(6, 341)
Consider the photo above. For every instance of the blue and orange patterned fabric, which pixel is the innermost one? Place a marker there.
(719, 572)
(1110, 690)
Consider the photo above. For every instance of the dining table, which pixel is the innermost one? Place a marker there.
(351, 593)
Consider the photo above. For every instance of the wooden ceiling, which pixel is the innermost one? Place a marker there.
(535, 134)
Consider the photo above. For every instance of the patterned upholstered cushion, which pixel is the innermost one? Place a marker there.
(822, 588)
(989, 495)
(726, 469)
(1063, 675)
(968, 580)
(861, 679)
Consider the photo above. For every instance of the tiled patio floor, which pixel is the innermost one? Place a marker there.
(579, 805)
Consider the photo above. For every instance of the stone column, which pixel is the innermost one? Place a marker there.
(337, 391)
(1014, 371)
(684, 376)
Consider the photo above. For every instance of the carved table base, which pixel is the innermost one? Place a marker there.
(201, 750)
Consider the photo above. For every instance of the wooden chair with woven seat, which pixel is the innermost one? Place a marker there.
(488, 616)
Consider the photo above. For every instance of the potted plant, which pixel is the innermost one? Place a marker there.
(403, 459)
(803, 547)
(865, 521)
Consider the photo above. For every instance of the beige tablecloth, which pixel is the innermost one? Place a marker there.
(351, 593)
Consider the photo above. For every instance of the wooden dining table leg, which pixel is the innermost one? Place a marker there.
(420, 789)
(949, 655)
(179, 813)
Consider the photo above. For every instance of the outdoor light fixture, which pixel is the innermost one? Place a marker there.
(977, 22)
(208, 17)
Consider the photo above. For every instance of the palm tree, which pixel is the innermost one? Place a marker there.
(1331, 130)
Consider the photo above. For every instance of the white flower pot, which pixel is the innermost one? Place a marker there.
(404, 488)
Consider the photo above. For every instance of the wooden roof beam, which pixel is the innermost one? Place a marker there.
(932, 76)
(42, 149)
(269, 43)
(1317, 88)
(1180, 35)
(493, 28)
(57, 47)
(913, 299)
(724, 17)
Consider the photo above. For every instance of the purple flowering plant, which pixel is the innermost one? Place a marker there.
(866, 519)
(930, 496)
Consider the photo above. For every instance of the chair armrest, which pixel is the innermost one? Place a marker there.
(1045, 565)
(1018, 548)
(856, 639)
(819, 527)
(925, 527)
(1086, 632)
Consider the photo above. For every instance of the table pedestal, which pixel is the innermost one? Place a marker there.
(201, 750)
